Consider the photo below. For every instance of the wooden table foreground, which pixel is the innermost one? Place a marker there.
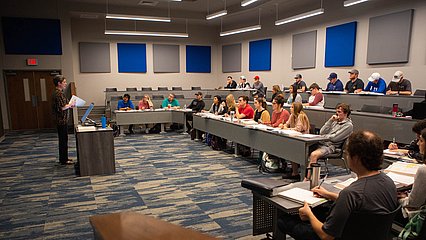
(132, 225)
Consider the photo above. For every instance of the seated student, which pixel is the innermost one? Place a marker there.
(355, 84)
(316, 98)
(276, 90)
(279, 114)
(413, 201)
(244, 110)
(197, 105)
(258, 85)
(374, 192)
(243, 83)
(335, 130)
(125, 105)
(293, 95)
(376, 84)
(217, 107)
(412, 150)
(145, 103)
(335, 84)
(299, 83)
(298, 121)
(170, 101)
(230, 83)
(261, 115)
(230, 105)
(399, 85)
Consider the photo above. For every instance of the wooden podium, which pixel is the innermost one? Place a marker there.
(95, 151)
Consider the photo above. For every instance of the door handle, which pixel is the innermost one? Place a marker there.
(34, 100)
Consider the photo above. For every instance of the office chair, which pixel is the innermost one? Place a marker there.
(369, 225)
(420, 92)
(195, 88)
(179, 96)
(157, 97)
(338, 154)
(163, 89)
(139, 97)
(208, 96)
(132, 89)
(111, 89)
(146, 89)
(177, 88)
(371, 108)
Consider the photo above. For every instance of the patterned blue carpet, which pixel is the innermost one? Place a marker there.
(164, 175)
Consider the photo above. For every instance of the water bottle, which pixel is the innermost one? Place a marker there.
(394, 109)
(315, 171)
(103, 121)
(184, 106)
(232, 116)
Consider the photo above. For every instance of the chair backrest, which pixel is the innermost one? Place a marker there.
(195, 88)
(146, 88)
(163, 89)
(420, 92)
(371, 108)
(177, 88)
(139, 97)
(362, 225)
(116, 98)
(156, 97)
(131, 89)
(208, 96)
(179, 96)
(112, 89)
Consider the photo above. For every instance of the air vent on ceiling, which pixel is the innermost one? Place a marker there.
(152, 3)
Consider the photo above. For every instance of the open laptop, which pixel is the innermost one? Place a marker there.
(86, 114)
(419, 110)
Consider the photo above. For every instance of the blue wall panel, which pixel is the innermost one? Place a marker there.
(260, 55)
(198, 59)
(131, 57)
(32, 36)
(340, 45)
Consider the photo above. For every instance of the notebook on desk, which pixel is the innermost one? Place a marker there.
(301, 195)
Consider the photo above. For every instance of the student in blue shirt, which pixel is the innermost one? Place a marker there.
(124, 105)
(335, 84)
(376, 84)
(170, 100)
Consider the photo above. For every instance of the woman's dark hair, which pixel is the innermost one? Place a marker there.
(219, 98)
(294, 93)
(423, 135)
(419, 126)
(262, 102)
(58, 79)
(127, 95)
(368, 147)
(279, 99)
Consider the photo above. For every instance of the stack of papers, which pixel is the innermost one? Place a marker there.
(287, 132)
(408, 169)
(248, 122)
(344, 184)
(78, 101)
(300, 195)
(86, 128)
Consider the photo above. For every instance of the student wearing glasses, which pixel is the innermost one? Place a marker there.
(244, 110)
(279, 114)
(316, 98)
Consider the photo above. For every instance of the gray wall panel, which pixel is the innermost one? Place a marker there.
(166, 58)
(389, 38)
(304, 50)
(94, 57)
(231, 58)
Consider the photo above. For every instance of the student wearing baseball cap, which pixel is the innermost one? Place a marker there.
(335, 84)
(299, 84)
(355, 84)
(399, 85)
(258, 85)
(376, 84)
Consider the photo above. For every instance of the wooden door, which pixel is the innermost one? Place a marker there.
(29, 99)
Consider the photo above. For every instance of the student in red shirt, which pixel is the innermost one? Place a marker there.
(244, 110)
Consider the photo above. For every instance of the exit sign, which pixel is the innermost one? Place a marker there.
(32, 61)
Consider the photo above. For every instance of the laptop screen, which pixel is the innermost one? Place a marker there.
(86, 114)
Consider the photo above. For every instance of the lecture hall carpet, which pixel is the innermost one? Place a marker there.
(163, 175)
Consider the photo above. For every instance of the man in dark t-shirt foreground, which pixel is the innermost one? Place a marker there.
(374, 192)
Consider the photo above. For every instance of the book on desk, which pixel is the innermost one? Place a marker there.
(300, 195)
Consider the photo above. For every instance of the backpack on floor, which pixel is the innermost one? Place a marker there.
(271, 164)
(217, 143)
(115, 130)
(414, 227)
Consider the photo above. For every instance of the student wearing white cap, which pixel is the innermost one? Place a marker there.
(376, 84)
(243, 83)
(399, 85)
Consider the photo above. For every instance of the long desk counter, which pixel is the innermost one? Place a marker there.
(386, 126)
(161, 116)
(292, 148)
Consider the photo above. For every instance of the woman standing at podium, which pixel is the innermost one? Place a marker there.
(60, 108)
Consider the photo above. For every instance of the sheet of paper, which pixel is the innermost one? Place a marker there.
(78, 101)
(404, 168)
(399, 178)
(301, 195)
(345, 183)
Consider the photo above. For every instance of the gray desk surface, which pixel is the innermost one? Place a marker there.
(292, 148)
(386, 126)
